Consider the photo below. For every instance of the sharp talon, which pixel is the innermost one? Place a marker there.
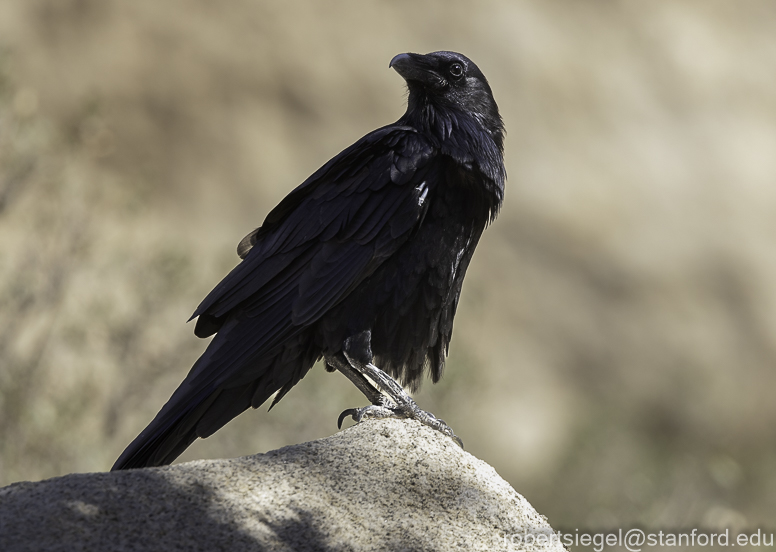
(372, 411)
(345, 413)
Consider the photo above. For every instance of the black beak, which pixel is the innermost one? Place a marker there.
(417, 68)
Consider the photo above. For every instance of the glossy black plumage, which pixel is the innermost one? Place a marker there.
(376, 240)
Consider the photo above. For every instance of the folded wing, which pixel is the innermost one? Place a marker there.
(324, 239)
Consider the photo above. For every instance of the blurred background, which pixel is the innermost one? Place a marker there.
(614, 355)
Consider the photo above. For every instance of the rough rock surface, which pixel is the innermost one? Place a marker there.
(380, 485)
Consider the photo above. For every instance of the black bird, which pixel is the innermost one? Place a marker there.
(362, 264)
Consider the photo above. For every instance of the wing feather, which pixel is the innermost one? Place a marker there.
(317, 245)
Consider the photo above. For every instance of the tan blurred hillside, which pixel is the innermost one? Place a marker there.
(614, 355)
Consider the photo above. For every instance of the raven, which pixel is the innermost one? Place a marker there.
(361, 265)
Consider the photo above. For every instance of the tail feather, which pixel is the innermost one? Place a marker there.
(167, 436)
(200, 407)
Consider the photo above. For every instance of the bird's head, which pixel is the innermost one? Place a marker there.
(449, 80)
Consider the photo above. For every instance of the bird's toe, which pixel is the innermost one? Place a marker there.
(373, 411)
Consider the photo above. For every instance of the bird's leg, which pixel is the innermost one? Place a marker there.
(381, 406)
(358, 354)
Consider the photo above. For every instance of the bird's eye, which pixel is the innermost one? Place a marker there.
(456, 70)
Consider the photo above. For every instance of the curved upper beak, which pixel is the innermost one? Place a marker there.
(416, 67)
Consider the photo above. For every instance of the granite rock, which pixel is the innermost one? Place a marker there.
(380, 485)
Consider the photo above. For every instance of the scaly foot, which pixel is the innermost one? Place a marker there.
(404, 407)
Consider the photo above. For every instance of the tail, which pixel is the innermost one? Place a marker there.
(176, 426)
(223, 383)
